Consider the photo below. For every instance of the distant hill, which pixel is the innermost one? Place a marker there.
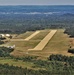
(68, 14)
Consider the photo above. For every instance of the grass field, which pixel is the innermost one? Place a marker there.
(59, 44)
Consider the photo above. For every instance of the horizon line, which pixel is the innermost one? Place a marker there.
(37, 5)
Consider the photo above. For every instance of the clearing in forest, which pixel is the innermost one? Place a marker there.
(44, 42)
(31, 36)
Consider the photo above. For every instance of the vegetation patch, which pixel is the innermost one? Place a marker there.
(71, 50)
(5, 52)
(1, 42)
(56, 64)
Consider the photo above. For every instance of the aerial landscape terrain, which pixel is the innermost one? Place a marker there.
(37, 40)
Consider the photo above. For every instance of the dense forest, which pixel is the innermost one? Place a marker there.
(70, 31)
(19, 19)
(23, 23)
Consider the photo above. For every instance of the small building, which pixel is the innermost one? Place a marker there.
(7, 35)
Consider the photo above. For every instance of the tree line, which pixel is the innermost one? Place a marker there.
(22, 23)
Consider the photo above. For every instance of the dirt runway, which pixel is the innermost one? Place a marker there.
(44, 42)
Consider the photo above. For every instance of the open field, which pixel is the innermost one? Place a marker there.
(43, 42)
(58, 44)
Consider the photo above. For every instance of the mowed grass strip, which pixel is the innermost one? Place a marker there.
(31, 36)
(44, 42)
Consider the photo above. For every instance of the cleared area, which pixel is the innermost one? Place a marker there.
(31, 36)
(59, 44)
(44, 42)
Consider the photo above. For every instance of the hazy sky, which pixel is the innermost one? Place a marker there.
(36, 2)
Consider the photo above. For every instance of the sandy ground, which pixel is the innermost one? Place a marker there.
(44, 42)
(31, 36)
